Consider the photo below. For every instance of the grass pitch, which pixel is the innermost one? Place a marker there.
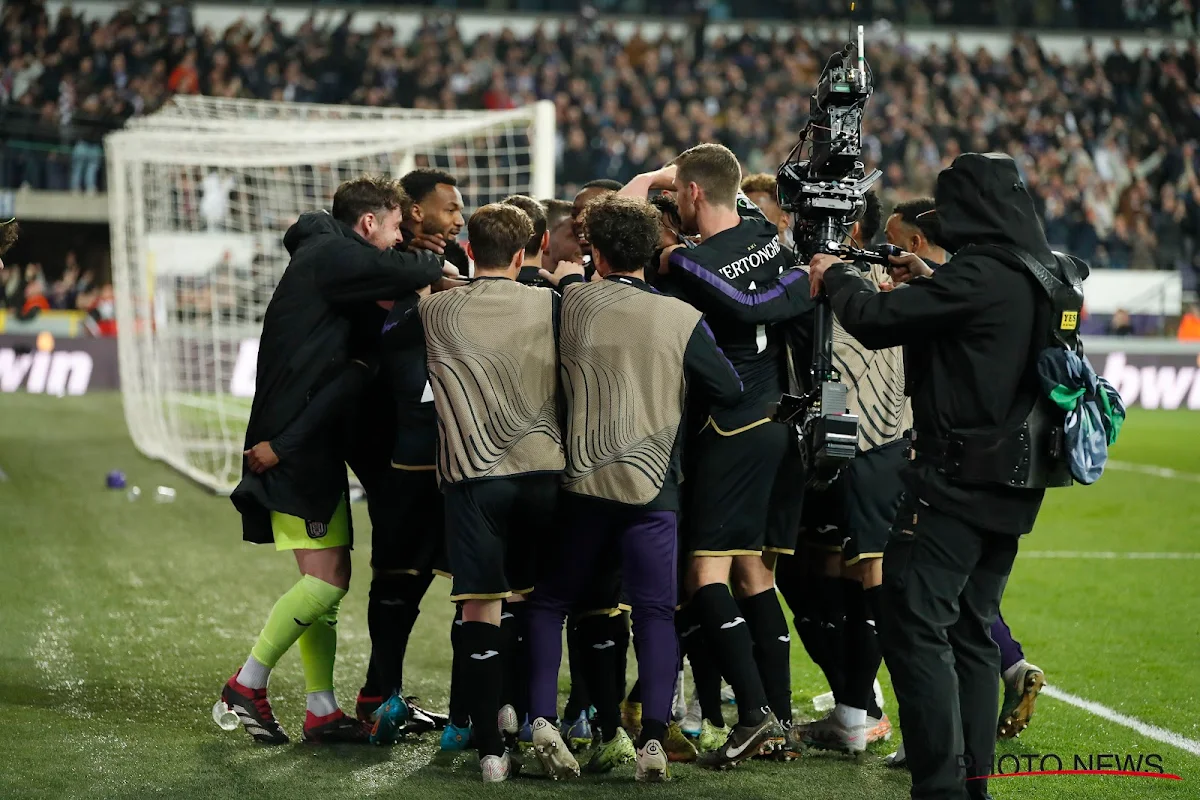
(122, 619)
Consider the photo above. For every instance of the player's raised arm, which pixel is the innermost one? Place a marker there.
(707, 286)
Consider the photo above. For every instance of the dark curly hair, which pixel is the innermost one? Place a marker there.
(8, 235)
(668, 207)
(872, 219)
(622, 229)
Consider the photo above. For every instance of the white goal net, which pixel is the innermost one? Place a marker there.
(200, 195)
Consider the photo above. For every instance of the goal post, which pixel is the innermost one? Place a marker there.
(200, 195)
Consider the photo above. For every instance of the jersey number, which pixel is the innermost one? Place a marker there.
(760, 331)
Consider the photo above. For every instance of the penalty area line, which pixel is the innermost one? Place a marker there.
(1107, 555)
(1158, 472)
(1145, 729)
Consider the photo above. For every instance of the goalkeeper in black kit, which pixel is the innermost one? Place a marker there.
(739, 277)
(293, 490)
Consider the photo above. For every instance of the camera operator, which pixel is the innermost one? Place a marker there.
(915, 230)
(972, 329)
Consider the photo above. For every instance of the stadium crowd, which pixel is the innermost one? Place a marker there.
(1108, 144)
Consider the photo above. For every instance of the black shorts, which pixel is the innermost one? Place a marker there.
(495, 529)
(603, 596)
(871, 490)
(823, 518)
(408, 525)
(731, 478)
(787, 501)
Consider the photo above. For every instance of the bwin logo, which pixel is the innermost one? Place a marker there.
(45, 371)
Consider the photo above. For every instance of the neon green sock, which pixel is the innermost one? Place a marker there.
(297, 611)
(318, 649)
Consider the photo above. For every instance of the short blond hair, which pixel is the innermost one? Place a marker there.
(714, 168)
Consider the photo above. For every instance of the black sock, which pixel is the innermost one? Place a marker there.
(459, 710)
(482, 657)
(370, 687)
(847, 638)
(578, 701)
(873, 597)
(603, 639)
(862, 651)
(772, 649)
(515, 626)
(392, 610)
(733, 647)
(707, 675)
(831, 615)
(802, 590)
(635, 694)
(651, 729)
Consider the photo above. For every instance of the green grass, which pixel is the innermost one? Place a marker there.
(121, 620)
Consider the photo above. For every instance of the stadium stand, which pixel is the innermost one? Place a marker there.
(1108, 143)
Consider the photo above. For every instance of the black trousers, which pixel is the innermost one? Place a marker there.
(942, 582)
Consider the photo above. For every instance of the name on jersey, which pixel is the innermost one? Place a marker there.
(759, 257)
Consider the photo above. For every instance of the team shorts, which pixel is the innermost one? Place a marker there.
(871, 491)
(731, 479)
(603, 596)
(295, 533)
(495, 529)
(408, 525)
(787, 502)
(823, 518)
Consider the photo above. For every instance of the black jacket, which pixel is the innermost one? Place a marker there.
(306, 343)
(967, 330)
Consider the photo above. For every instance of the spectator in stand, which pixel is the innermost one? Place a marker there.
(185, 79)
(1121, 324)
(34, 299)
(103, 312)
(63, 290)
(1189, 325)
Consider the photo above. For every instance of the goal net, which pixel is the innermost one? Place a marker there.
(200, 195)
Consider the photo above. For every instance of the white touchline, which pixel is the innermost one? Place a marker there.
(1158, 472)
(1149, 731)
(1103, 555)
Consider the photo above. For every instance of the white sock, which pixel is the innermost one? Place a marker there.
(850, 718)
(1010, 675)
(322, 704)
(254, 674)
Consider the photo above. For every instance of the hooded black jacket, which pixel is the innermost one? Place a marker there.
(968, 332)
(305, 344)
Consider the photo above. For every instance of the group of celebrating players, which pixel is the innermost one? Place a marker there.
(527, 432)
